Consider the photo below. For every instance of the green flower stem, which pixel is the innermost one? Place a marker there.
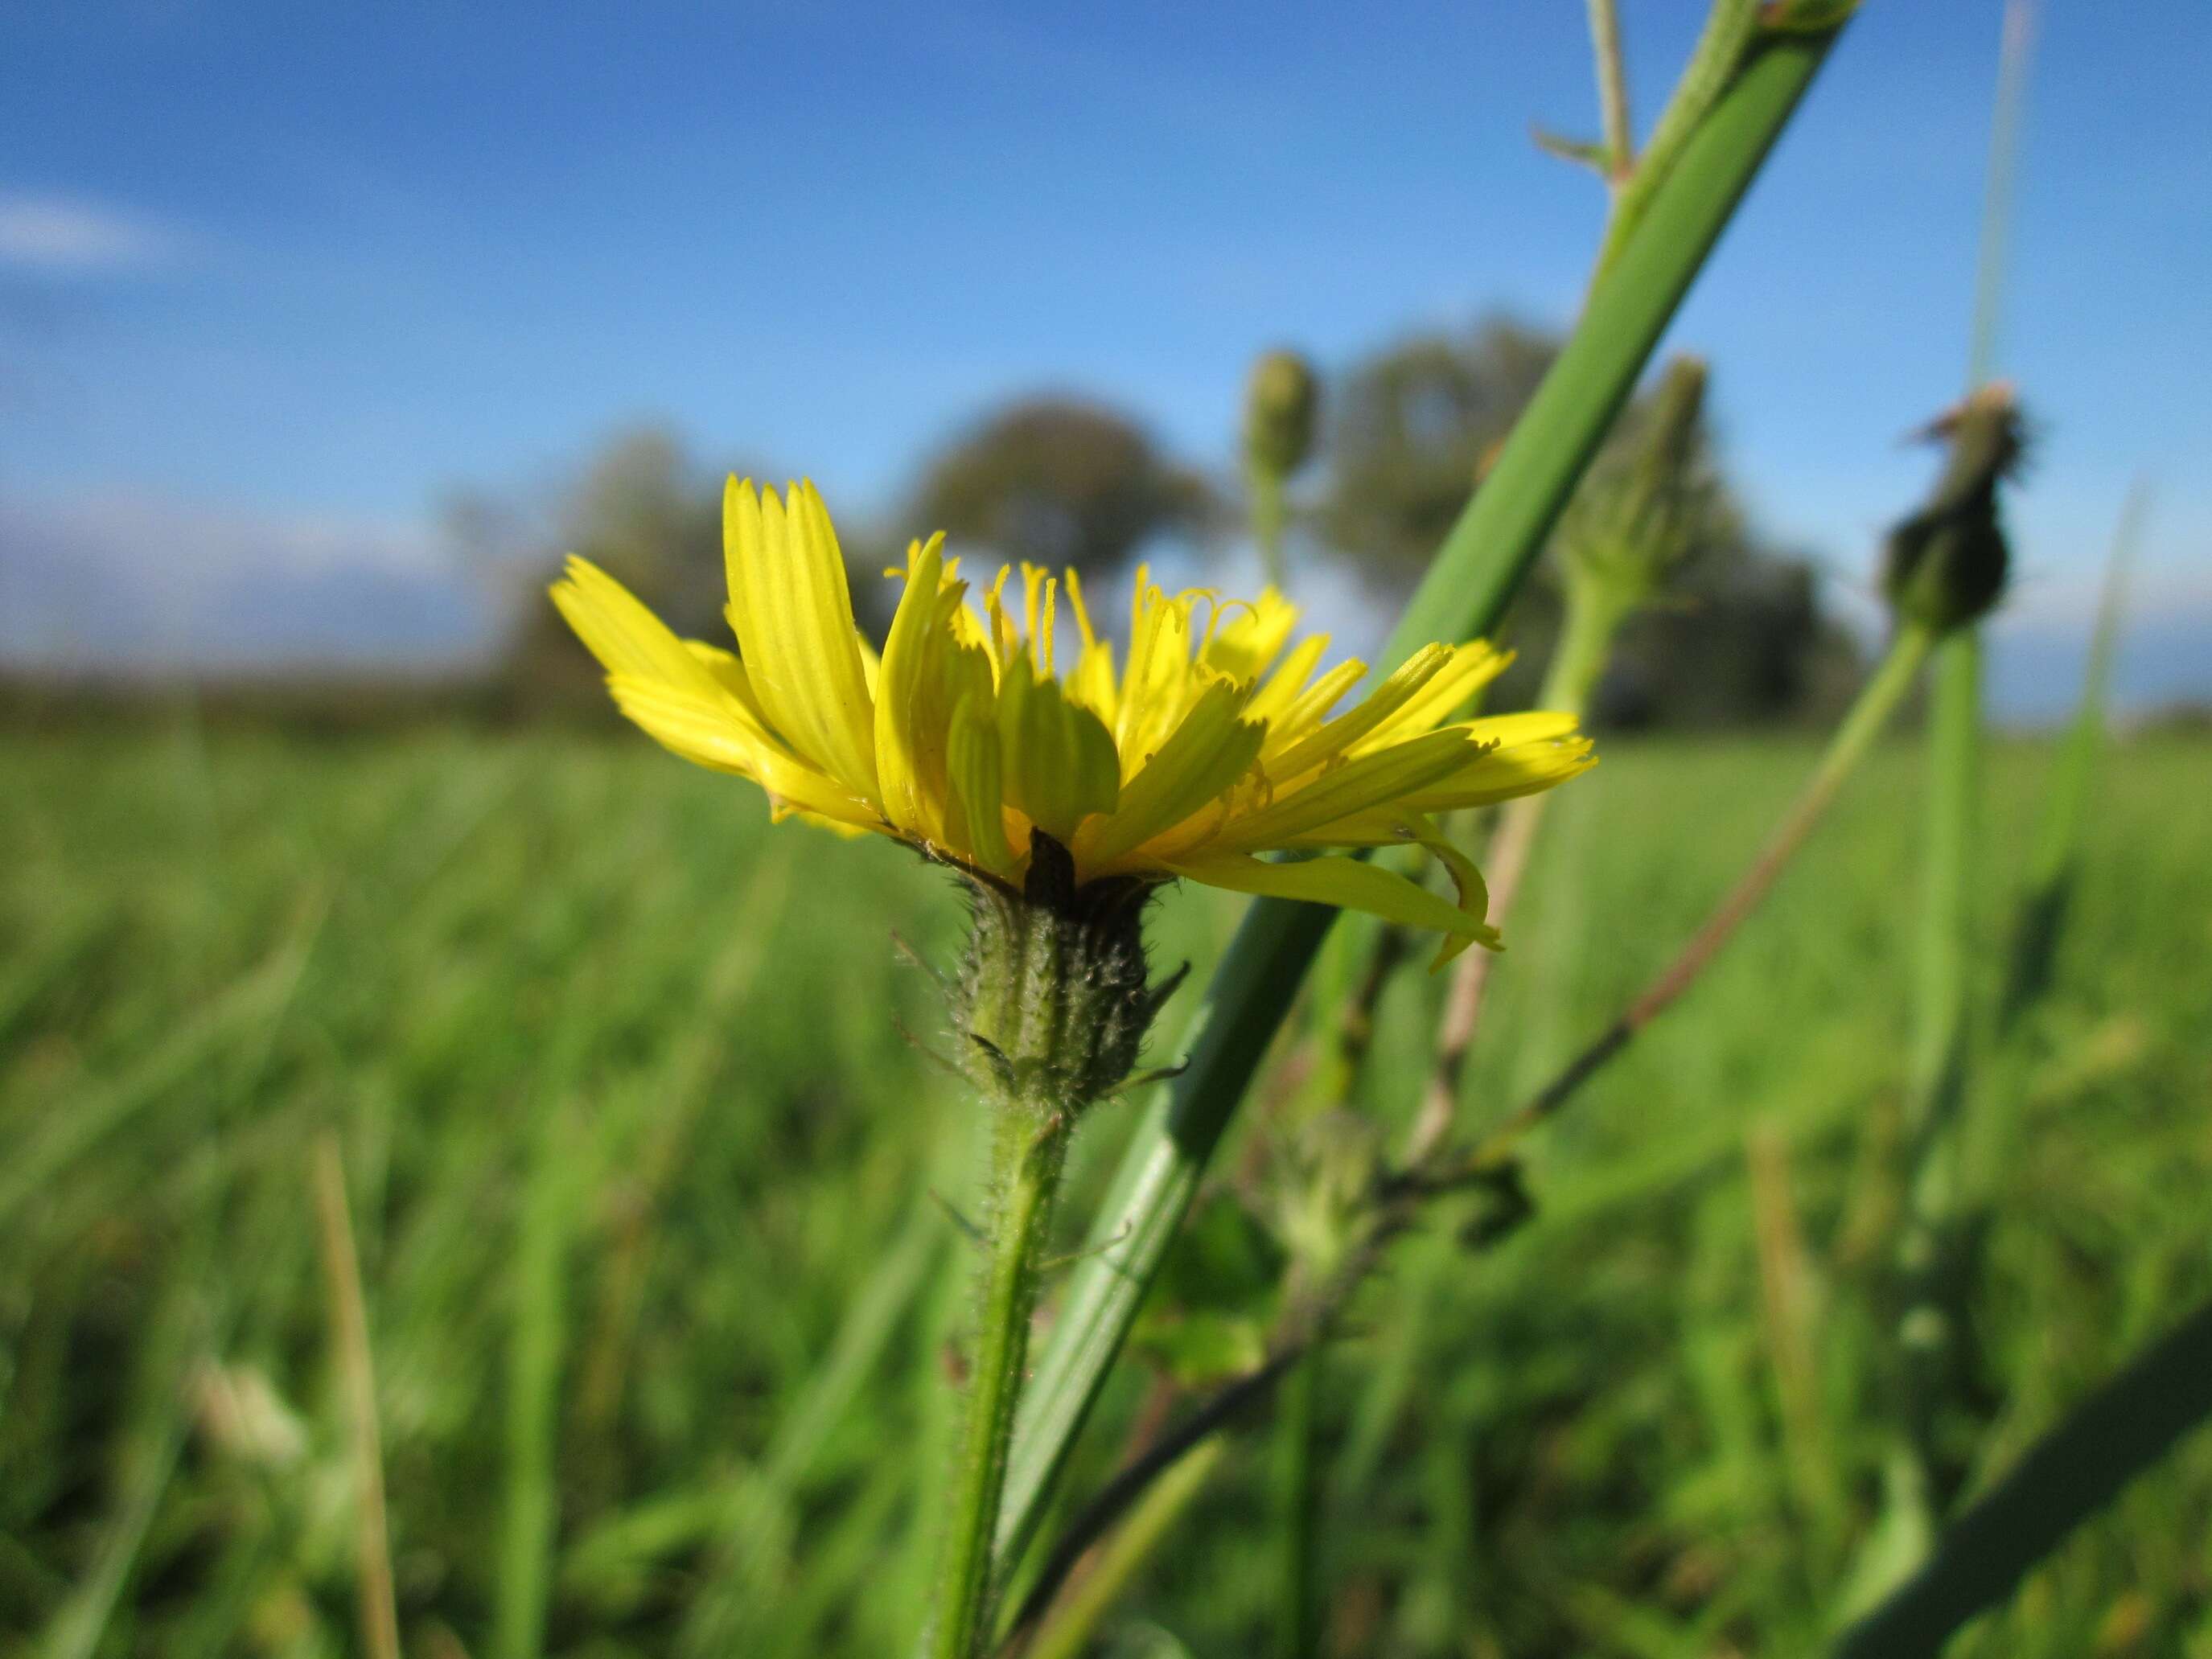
(1027, 1164)
(1269, 513)
(1475, 576)
(1051, 1010)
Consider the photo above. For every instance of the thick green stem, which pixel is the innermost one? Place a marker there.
(1475, 576)
(1026, 1168)
(1052, 1008)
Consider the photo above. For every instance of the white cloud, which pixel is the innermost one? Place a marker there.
(65, 235)
(123, 581)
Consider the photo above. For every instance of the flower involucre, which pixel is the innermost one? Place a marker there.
(1212, 745)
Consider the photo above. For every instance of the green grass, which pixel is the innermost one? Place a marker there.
(638, 1161)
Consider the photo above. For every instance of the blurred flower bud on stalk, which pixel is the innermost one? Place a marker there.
(1282, 403)
(1945, 566)
(1635, 518)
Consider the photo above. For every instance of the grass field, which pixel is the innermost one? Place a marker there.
(636, 1158)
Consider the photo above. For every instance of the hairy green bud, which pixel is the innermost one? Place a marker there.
(1053, 1002)
(1945, 565)
(1636, 514)
(1282, 405)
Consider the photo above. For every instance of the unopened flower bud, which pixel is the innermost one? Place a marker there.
(1945, 566)
(1282, 402)
(1636, 514)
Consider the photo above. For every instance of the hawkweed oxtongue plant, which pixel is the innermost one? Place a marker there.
(1062, 801)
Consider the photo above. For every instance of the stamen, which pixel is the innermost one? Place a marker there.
(1002, 631)
(1032, 576)
(1082, 611)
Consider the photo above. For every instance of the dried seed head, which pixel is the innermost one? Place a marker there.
(1945, 566)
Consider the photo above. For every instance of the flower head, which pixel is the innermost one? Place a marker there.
(1214, 743)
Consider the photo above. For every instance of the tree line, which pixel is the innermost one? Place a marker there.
(1061, 479)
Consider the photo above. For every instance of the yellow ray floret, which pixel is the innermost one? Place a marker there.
(1215, 743)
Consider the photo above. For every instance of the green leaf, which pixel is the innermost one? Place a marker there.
(2066, 1478)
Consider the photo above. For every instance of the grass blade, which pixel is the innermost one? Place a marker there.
(2066, 1478)
(1474, 578)
(380, 1614)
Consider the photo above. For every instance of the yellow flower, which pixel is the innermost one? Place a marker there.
(1212, 745)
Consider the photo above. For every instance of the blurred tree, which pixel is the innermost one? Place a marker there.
(644, 510)
(1058, 481)
(1412, 428)
(1736, 634)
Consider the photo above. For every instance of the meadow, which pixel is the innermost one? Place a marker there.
(638, 1161)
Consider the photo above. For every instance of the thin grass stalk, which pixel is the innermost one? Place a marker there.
(1475, 576)
(76, 1630)
(379, 1604)
(1093, 1593)
(532, 1398)
(740, 1588)
(2066, 1478)
(1730, 29)
(1789, 1315)
(1619, 139)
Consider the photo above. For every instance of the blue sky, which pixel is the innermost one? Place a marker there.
(273, 278)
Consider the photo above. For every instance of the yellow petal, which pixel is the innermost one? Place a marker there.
(1357, 786)
(794, 618)
(626, 637)
(1059, 758)
(1339, 735)
(1350, 885)
(1470, 669)
(975, 825)
(1302, 714)
(708, 730)
(1195, 767)
(1272, 701)
(913, 710)
(1525, 768)
(1157, 687)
